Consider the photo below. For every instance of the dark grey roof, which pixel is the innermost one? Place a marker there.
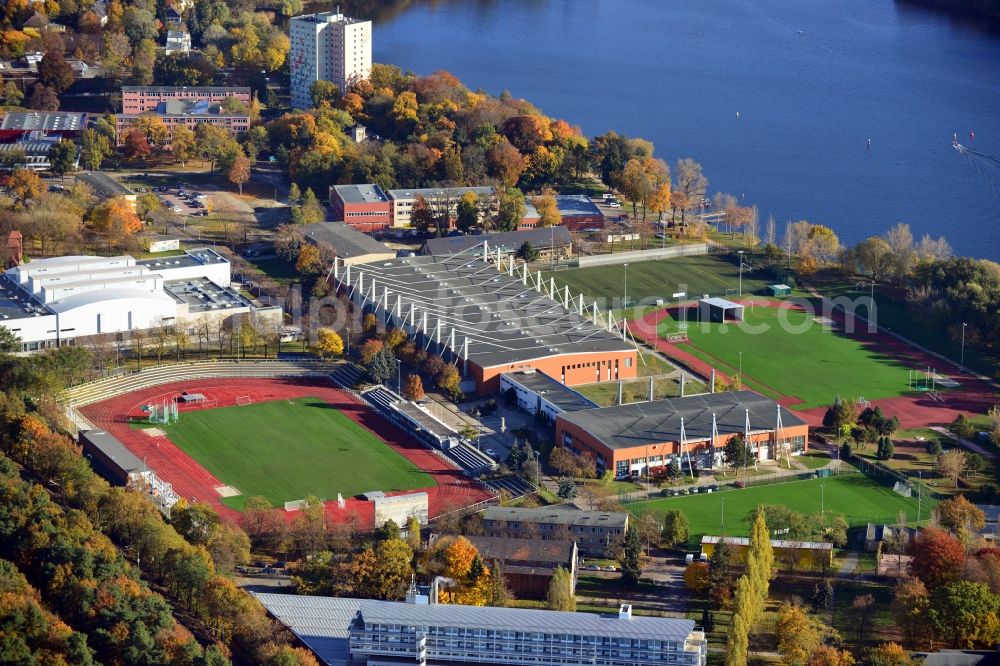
(643, 423)
(322, 623)
(103, 184)
(521, 619)
(558, 514)
(509, 241)
(548, 388)
(506, 322)
(576, 205)
(364, 193)
(511, 550)
(959, 658)
(345, 241)
(113, 449)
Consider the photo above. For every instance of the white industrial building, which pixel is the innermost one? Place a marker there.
(56, 301)
(330, 47)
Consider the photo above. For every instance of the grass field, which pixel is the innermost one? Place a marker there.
(288, 449)
(857, 497)
(659, 279)
(786, 353)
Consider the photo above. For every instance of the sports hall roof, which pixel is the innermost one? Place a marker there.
(505, 321)
(642, 423)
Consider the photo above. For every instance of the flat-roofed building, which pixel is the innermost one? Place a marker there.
(578, 211)
(592, 531)
(30, 152)
(537, 393)
(178, 41)
(487, 322)
(63, 300)
(788, 553)
(389, 633)
(550, 243)
(106, 187)
(136, 99)
(365, 207)
(19, 124)
(642, 438)
(187, 113)
(346, 243)
(441, 200)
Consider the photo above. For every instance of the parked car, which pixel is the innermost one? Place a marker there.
(689, 558)
(609, 569)
(593, 567)
(177, 209)
(614, 204)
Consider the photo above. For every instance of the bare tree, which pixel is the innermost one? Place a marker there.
(772, 230)
(692, 183)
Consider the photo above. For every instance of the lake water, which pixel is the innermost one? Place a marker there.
(812, 82)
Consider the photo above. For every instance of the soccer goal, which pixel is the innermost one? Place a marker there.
(242, 400)
(902, 489)
(209, 404)
(674, 338)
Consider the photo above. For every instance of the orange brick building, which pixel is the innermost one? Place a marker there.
(641, 438)
(486, 322)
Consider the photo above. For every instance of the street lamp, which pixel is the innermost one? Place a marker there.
(740, 252)
(399, 376)
(822, 499)
(348, 341)
(625, 304)
(741, 367)
(961, 363)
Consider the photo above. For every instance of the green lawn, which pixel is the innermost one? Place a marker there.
(277, 268)
(286, 450)
(697, 275)
(786, 353)
(857, 497)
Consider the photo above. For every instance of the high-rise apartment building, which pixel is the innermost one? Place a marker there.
(330, 47)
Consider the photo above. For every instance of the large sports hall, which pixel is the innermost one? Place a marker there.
(488, 322)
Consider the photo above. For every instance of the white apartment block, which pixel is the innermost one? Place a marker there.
(330, 47)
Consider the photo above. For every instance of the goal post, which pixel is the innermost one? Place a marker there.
(677, 337)
(901, 488)
(242, 400)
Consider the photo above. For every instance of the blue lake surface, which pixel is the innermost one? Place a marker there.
(812, 82)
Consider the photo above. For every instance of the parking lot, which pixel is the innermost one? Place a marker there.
(180, 200)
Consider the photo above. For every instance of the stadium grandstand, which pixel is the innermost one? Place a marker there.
(488, 321)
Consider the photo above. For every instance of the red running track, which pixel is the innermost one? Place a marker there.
(453, 491)
(973, 396)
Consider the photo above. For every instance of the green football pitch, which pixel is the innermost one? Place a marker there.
(698, 275)
(286, 450)
(787, 353)
(857, 497)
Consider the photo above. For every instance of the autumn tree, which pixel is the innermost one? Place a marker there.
(510, 209)
(828, 655)
(548, 209)
(183, 143)
(450, 381)
(675, 528)
(239, 171)
(329, 342)
(560, 595)
(888, 654)
(94, 148)
(799, 634)
(951, 464)
(62, 157)
(911, 608)
(467, 212)
(136, 145)
(413, 387)
(498, 595)
(116, 219)
(696, 577)
(960, 515)
(25, 185)
(506, 163)
(936, 557)
(308, 262)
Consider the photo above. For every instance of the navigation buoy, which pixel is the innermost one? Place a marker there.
(737, 114)
(972, 135)
(869, 144)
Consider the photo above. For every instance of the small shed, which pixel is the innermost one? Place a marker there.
(779, 290)
(719, 310)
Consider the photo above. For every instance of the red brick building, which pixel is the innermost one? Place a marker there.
(364, 207)
(137, 99)
(640, 439)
